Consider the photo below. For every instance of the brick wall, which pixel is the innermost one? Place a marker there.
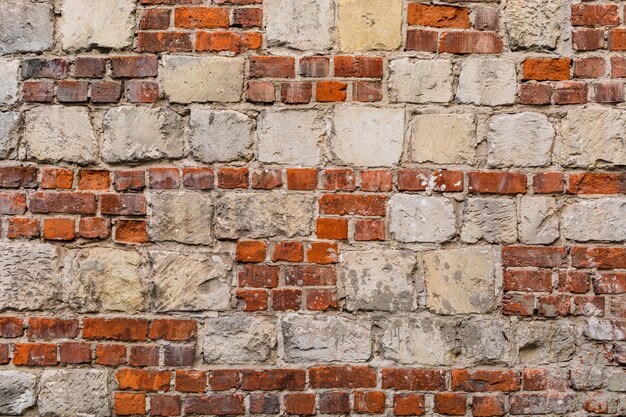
(312, 207)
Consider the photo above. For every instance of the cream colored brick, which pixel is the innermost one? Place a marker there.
(366, 25)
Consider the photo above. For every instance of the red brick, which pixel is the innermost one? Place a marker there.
(288, 252)
(334, 402)
(296, 93)
(266, 179)
(618, 67)
(164, 42)
(358, 66)
(89, 67)
(51, 328)
(535, 94)
(518, 304)
(123, 204)
(263, 403)
(57, 68)
(22, 227)
(165, 405)
(369, 229)
(218, 41)
(301, 178)
(179, 355)
(450, 404)
(155, 19)
(94, 228)
(134, 66)
(12, 203)
(610, 283)
(56, 178)
(172, 330)
(468, 42)
(253, 300)
(408, 404)
(420, 180)
(595, 15)
(588, 39)
(353, 204)
(570, 93)
(74, 353)
(554, 305)
(542, 379)
(286, 299)
(258, 276)
(11, 327)
(376, 180)
(131, 231)
(342, 377)
(35, 354)
(310, 275)
(59, 229)
(369, 402)
(261, 92)
(272, 67)
(217, 404)
(231, 178)
(534, 256)
(251, 250)
(322, 253)
(574, 281)
(599, 257)
(488, 406)
(72, 91)
(527, 280)
(4, 354)
(248, 17)
(438, 16)
(66, 202)
(90, 179)
(106, 91)
(367, 91)
(273, 380)
(547, 69)
(339, 179)
(145, 355)
(140, 91)
(548, 182)
(593, 67)
(191, 381)
(497, 182)
(321, 299)
(414, 379)
(127, 403)
(201, 17)
(534, 403)
(38, 91)
(609, 92)
(143, 379)
(485, 380)
(486, 19)
(115, 329)
(164, 178)
(330, 228)
(110, 355)
(597, 183)
(129, 180)
(198, 178)
(18, 177)
(588, 305)
(314, 66)
(301, 404)
(422, 40)
(330, 91)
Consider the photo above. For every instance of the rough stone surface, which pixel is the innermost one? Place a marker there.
(368, 136)
(533, 24)
(415, 218)
(17, 392)
(10, 124)
(364, 25)
(460, 281)
(382, 280)
(306, 24)
(189, 79)
(190, 282)
(74, 392)
(239, 339)
(603, 220)
(48, 140)
(421, 81)
(593, 137)
(290, 137)
(107, 279)
(522, 139)
(25, 26)
(140, 133)
(29, 276)
(490, 82)
(9, 75)
(544, 343)
(181, 217)
(485, 341)
(443, 138)
(219, 135)
(257, 215)
(493, 220)
(539, 221)
(102, 23)
(326, 339)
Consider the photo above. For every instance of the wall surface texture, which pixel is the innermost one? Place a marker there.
(312, 207)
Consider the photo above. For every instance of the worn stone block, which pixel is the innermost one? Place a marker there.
(367, 136)
(26, 26)
(416, 218)
(493, 220)
(541, 343)
(326, 339)
(72, 392)
(460, 281)
(17, 392)
(443, 138)
(10, 124)
(599, 219)
(257, 215)
(539, 220)
(190, 282)
(219, 135)
(304, 25)
(533, 24)
(239, 340)
(382, 280)
(290, 137)
(9, 75)
(180, 217)
(421, 81)
(488, 82)
(364, 25)
(189, 79)
(50, 140)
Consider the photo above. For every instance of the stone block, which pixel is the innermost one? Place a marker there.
(180, 217)
(416, 218)
(219, 135)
